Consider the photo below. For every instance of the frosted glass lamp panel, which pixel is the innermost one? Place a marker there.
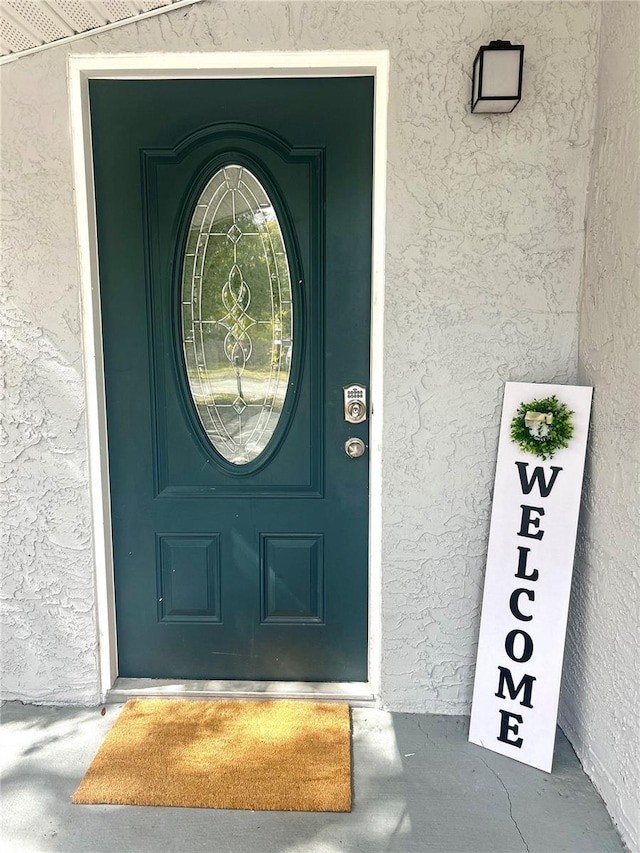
(500, 74)
(237, 314)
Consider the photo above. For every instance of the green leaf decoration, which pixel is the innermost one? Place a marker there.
(549, 439)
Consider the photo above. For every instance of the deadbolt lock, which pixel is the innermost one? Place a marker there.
(355, 404)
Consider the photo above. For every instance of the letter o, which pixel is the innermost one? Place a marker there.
(527, 651)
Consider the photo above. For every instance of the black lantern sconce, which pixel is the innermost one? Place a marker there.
(497, 78)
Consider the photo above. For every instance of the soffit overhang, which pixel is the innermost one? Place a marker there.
(27, 26)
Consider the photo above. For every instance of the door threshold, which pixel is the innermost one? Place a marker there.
(357, 693)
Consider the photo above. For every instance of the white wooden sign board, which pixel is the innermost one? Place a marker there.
(532, 539)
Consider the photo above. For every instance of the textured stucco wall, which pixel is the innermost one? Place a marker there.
(601, 698)
(484, 249)
(47, 586)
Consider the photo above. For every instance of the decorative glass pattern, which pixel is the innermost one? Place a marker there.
(237, 314)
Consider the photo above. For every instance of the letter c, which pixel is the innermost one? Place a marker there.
(514, 603)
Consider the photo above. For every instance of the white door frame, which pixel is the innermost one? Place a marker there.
(216, 66)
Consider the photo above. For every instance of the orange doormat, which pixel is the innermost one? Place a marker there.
(228, 754)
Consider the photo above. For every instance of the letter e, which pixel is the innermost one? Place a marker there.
(528, 522)
(507, 726)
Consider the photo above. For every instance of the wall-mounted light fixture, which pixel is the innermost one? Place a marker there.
(497, 78)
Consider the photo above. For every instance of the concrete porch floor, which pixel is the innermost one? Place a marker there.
(418, 786)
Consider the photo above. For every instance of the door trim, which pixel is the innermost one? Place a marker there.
(160, 66)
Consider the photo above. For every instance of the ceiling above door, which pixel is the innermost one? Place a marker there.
(30, 25)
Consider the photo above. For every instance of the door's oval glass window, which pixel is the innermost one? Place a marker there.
(237, 314)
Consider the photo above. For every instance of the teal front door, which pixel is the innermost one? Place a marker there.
(234, 242)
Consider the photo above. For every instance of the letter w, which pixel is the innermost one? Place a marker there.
(538, 475)
(526, 685)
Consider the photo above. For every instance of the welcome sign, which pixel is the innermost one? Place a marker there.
(536, 501)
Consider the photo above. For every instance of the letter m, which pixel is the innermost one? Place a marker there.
(537, 477)
(526, 686)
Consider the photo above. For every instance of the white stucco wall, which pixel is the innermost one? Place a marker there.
(484, 251)
(601, 697)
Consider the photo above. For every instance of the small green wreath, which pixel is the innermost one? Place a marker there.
(542, 427)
